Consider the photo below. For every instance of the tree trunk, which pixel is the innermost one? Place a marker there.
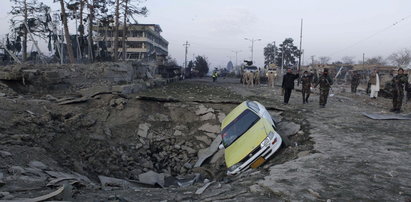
(66, 33)
(115, 50)
(81, 31)
(125, 30)
(90, 31)
(25, 32)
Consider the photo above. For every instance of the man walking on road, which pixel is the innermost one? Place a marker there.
(288, 84)
(398, 84)
(325, 82)
(306, 81)
(375, 84)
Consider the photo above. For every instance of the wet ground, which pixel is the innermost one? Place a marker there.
(338, 155)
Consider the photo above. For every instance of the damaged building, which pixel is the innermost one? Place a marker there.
(143, 41)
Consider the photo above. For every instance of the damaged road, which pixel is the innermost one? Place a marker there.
(154, 145)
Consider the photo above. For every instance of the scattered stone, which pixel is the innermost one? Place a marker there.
(202, 189)
(143, 129)
(119, 103)
(38, 165)
(152, 178)
(210, 128)
(188, 149)
(203, 154)
(2, 94)
(288, 128)
(5, 154)
(177, 133)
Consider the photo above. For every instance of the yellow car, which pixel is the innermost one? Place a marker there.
(248, 136)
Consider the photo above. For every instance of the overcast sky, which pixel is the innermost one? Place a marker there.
(215, 28)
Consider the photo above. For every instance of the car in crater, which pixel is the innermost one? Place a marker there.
(249, 137)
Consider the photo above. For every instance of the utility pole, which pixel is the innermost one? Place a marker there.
(185, 60)
(312, 60)
(363, 60)
(236, 56)
(299, 59)
(252, 46)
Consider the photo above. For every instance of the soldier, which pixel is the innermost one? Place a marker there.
(355, 81)
(257, 77)
(288, 84)
(398, 84)
(325, 82)
(271, 76)
(306, 81)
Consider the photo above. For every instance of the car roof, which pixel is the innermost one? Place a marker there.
(234, 114)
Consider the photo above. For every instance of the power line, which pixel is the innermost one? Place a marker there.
(372, 35)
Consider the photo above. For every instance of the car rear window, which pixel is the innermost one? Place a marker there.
(238, 127)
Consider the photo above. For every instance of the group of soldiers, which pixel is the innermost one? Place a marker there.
(251, 78)
(308, 79)
(399, 84)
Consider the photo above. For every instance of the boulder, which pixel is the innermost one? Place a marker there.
(221, 117)
(208, 116)
(287, 129)
(204, 139)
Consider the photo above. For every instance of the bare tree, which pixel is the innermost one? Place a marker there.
(378, 60)
(116, 26)
(401, 58)
(33, 14)
(347, 60)
(324, 60)
(66, 32)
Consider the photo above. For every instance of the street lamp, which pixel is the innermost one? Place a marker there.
(236, 56)
(252, 46)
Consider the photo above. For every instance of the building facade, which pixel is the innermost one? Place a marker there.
(143, 41)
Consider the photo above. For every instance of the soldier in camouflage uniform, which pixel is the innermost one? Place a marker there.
(325, 82)
(306, 81)
(398, 83)
(355, 81)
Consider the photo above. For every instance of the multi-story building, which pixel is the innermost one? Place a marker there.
(143, 41)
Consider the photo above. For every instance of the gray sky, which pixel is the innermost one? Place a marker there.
(331, 27)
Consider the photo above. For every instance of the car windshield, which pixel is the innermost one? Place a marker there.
(238, 127)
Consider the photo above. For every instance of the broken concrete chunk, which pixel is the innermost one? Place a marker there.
(114, 182)
(202, 189)
(221, 117)
(203, 154)
(210, 128)
(287, 129)
(203, 110)
(38, 165)
(152, 178)
(143, 129)
(204, 139)
(208, 116)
